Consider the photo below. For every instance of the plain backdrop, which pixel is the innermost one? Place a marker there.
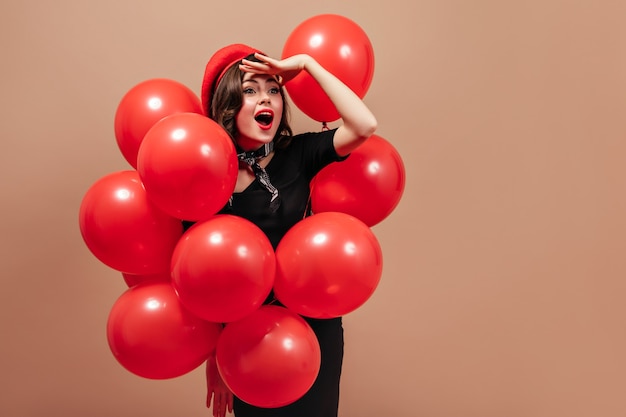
(504, 275)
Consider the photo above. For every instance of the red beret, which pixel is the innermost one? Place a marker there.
(220, 61)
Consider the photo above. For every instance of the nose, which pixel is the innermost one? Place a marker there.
(264, 98)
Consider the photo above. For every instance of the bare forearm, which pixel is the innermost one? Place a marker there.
(358, 121)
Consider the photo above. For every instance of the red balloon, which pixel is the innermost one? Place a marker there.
(368, 185)
(339, 45)
(123, 229)
(144, 105)
(188, 165)
(270, 358)
(152, 335)
(134, 279)
(223, 268)
(328, 265)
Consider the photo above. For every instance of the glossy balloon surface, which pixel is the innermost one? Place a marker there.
(339, 45)
(152, 335)
(328, 265)
(368, 185)
(124, 229)
(270, 358)
(223, 268)
(188, 166)
(145, 104)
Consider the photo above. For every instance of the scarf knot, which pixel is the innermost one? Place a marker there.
(252, 158)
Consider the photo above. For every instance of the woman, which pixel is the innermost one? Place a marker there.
(242, 91)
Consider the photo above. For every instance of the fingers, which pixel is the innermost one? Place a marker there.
(216, 407)
(230, 402)
(215, 390)
(266, 59)
(222, 402)
(255, 67)
(265, 63)
(219, 406)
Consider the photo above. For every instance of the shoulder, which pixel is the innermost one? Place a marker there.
(310, 151)
(313, 140)
(321, 135)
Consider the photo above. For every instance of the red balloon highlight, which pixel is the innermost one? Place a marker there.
(145, 104)
(188, 165)
(339, 45)
(270, 358)
(368, 185)
(152, 335)
(223, 268)
(328, 265)
(124, 229)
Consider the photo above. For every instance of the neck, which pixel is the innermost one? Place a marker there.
(256, 154)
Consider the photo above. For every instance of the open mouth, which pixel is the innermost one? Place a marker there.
(264, 119)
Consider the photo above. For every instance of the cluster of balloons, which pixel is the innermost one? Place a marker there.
(200, 292)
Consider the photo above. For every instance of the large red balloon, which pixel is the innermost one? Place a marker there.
(339, 45)
(328, 265)
(188, 165)
(152, 335)
(123, 229)
(223, 268)
(368, 185)
(145, 104)
(270, 358)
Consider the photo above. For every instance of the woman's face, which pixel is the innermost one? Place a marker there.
(261, 111)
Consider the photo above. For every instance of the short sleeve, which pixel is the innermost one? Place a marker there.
(317, 150)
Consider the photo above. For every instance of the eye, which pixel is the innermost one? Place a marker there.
(248, 90)
(274, 90)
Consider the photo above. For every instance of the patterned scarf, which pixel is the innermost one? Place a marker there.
(252, 158)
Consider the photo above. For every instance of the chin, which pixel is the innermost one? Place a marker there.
(250, 143)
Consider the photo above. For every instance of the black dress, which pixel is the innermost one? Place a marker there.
(291, 170)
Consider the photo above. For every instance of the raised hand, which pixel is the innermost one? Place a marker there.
(286, 69)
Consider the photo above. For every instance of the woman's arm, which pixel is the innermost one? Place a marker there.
(358, 121)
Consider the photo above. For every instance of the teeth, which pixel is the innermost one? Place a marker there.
(264, 117)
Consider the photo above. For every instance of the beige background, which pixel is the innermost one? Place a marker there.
(504, 276)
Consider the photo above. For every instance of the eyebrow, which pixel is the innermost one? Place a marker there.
(269, 78)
